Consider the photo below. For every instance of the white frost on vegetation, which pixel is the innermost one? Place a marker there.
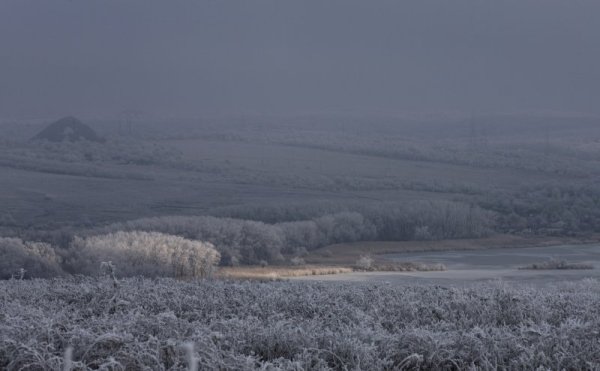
(25, 259)
(165, 324)
(147, 254)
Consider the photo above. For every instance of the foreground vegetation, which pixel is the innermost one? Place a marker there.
(149, 324)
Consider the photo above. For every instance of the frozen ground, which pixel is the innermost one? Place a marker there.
(470, 266)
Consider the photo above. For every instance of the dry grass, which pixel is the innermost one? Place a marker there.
(275, 272)
(281, 272)
(407, 267)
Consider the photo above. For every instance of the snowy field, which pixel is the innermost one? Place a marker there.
(164, 324)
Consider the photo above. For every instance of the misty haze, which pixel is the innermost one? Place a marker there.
(309, 185)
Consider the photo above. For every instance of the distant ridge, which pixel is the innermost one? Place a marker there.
(67, 129)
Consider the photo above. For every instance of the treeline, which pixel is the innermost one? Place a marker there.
(84, 158)
(242, 241)
(113, 151)
(139, 244)
(148, 254)
(547, 210)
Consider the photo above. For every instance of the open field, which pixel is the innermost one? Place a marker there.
(37, 199)
(253, 175)
(314, 167)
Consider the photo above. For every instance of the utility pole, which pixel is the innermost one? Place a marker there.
(128, 118)
(547, 149)
(473, 142)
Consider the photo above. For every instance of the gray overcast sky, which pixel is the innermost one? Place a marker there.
(193, 57)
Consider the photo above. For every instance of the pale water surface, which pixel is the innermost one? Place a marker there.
(470, 266)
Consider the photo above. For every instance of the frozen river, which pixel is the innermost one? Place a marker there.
(467, 266)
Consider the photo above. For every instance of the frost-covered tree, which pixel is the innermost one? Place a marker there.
(37, 259)
(139, 253)
(249, 242)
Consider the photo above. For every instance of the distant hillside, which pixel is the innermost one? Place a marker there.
(68, 129)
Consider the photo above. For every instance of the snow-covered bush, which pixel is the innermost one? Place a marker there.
(144, 253)
(558, 264)
(422, 233)
(297, 261)
(365, 262)
(38, 259)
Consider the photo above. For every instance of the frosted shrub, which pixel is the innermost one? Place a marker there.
(365, 262)
(37, 259)
(296, 260)
(558, 264)
(422, 233)
(108, 269)
(146, 254)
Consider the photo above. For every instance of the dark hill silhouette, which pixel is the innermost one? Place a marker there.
(67, 129)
